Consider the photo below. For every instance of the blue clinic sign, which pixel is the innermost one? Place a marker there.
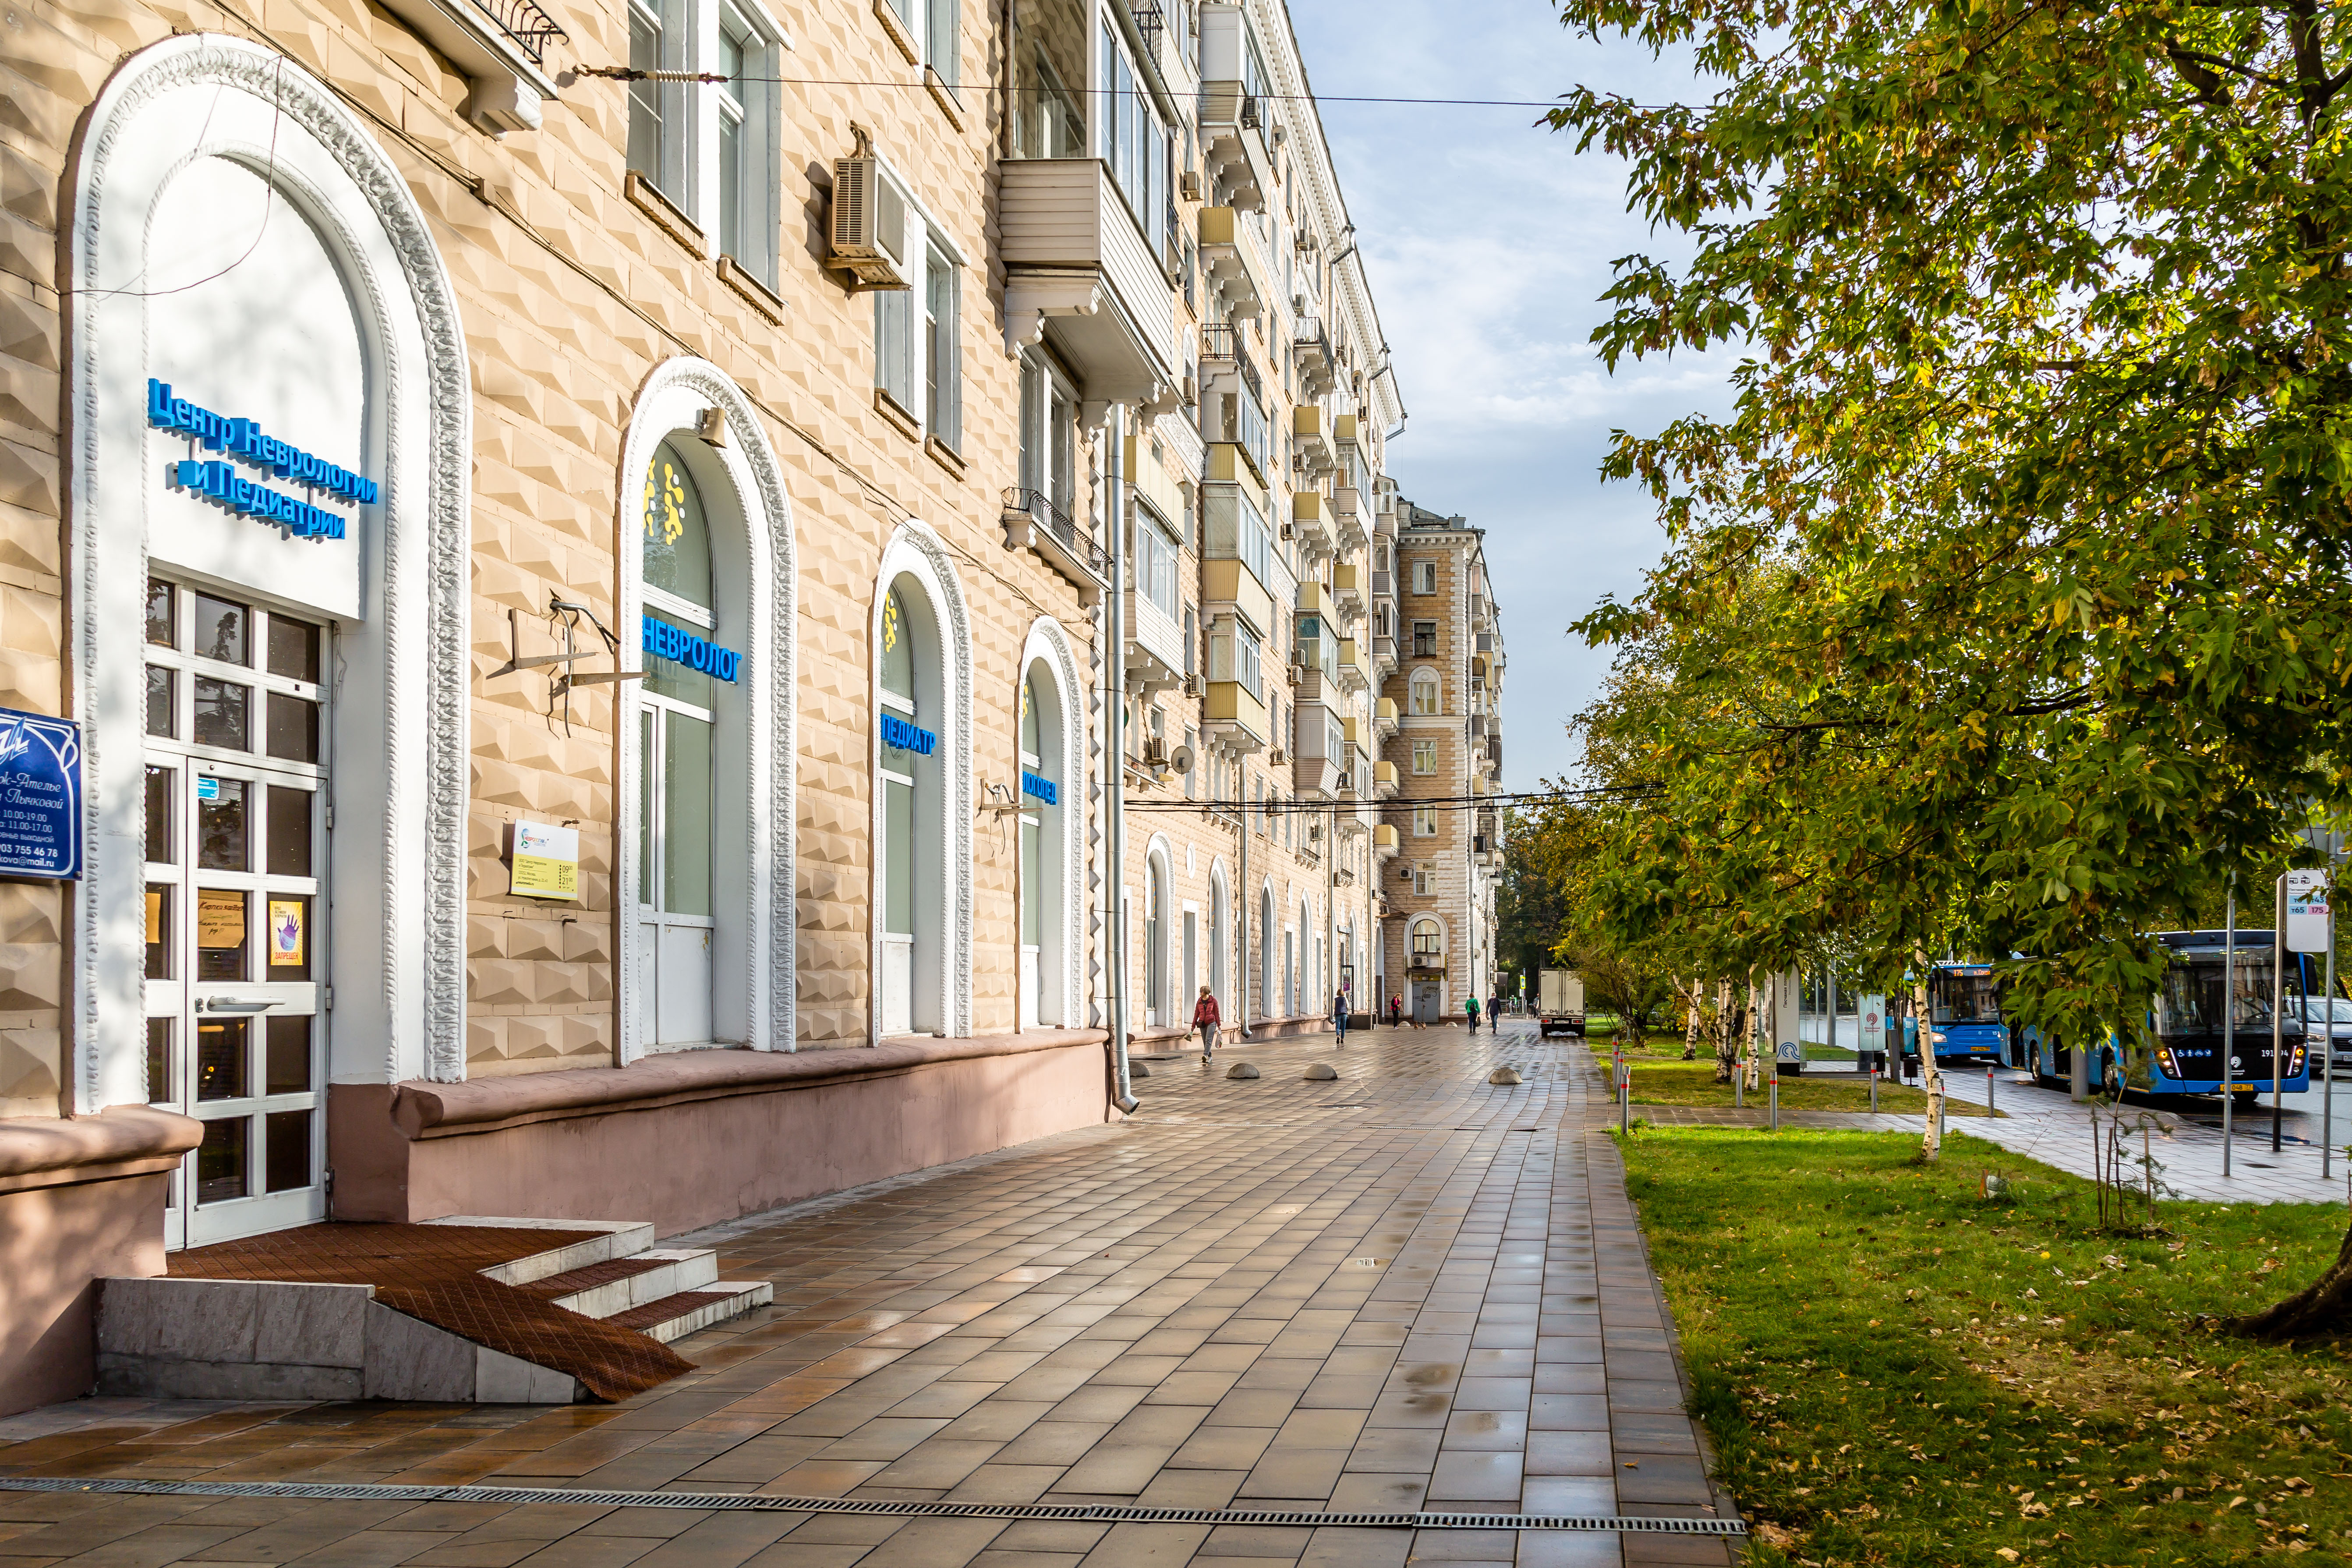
(40, 796)
(245, 438)
(682, 647)
(900, 736)
(1042, 788)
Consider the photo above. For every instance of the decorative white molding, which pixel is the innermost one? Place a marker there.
(264, 111)
(915, 550)
(1049, 644)
(1030, 297)
(758, 604)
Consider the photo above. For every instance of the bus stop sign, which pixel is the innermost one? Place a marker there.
(2306, 910)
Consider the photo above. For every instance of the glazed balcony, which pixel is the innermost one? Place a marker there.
(1310, 519)
(1310, 437)
(1080, 273)
(1234, 716)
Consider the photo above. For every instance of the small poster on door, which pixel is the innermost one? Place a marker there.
(220, 919)
(290, 932)
(546, 863)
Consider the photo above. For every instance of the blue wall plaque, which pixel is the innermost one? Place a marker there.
(40, 796)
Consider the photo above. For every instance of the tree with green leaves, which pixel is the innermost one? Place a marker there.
(2011, 599)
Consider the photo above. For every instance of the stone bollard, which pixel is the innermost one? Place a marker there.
(1322, 1072)
(1135, 1069)
(1242, 1071)
(1506, 1076)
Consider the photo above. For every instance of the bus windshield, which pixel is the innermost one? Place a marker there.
(2192, 992)
(1966, 999)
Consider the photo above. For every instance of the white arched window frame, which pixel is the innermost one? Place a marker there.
(1425, 943)
(1428, 698)
(1220, 918)
(1157, 970)
(918, 564)
(1052, 673)
(751, 941)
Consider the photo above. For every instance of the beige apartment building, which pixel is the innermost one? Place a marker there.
(1442, 826)
(578, 546)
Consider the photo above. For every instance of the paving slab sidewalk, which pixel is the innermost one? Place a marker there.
(1402, 1289)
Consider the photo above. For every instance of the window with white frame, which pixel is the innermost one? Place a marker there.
(1424, 876)
(934, 23)
(1049, 426)
(1428, 945)
(1155, 562)
(1134, 140)
(750, 183)
(1425, 702)
(1425, 822)
(1233, 655)
(1424, 577)
(917, 354)
(659, 41)
(1424, 756)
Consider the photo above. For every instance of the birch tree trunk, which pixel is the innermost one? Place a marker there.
(1931, 1077)
(1725, 1033)
(1691, 1024)
(1750, 1015)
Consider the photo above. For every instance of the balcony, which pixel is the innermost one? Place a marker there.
(1321, 777)
(1385, 782)
(1232, 139)
(1155, 645)
(1355, 673)
(1078, 271)
(1384, 584)
(1319, 367)
(1033, 522)
(1231, 585)
(1384, 658)
(1348, 587)
(1230, 262)
(1384, 839)
(1312, 523)
(499, 46)
(1346, 510)
(1234, 716)
(1384, 717)
(1311, 434)
(1384, 519)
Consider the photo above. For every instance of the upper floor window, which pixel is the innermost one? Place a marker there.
(1424, 821)
(934, 21)
(750, 183)
(1155, 564)
(1424, 756)
(1233, 655)
(917, 353)
(1428, 945)
(658, 41)
(1049, 429)
(1424, 577)
(1425, 702)
(1134, 141)
(1237, 531)
(736, 196)
(1424, 639)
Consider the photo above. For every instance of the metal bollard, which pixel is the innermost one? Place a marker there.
(1739, 1088)
(1873, 1092)
(1774, 1085)
(1626, 1099)
(1988, 1092)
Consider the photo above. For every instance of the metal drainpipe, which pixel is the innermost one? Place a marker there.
(1241, 899)
(1115, 674)
(1331, 897)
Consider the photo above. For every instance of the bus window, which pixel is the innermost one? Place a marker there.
(1966, 999)
(2192, 993)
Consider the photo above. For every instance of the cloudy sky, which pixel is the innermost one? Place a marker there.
(1489, 243)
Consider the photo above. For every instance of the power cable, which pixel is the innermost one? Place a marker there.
(628, 73)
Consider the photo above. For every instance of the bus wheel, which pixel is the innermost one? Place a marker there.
(2111, 1075)
(2039, 1076)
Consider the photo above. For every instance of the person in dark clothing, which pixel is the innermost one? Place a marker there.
(1340, 1016)
(1396, 1010)
(1206, 1019)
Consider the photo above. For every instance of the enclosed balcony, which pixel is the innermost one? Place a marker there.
(1310, 437)
(1230, 259)
(1385, 782)
(1311, 522)
(1234, 716)
(1348, 587)
(1355, 671)
(1080, 273)
(1384, 717)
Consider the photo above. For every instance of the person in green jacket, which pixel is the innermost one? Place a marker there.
(1470, 1005)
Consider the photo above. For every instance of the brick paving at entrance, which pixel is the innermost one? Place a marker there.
(1400, 1291)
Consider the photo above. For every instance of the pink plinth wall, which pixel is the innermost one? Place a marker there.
(79, 1199)
(699, 1136)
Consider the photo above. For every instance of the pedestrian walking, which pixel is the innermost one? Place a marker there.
(1206, 1019)
(1470, 1005)
(1396, 1010)
(1340, 1016)
(1494, 1012)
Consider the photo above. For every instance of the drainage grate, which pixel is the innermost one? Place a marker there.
(759, 1502)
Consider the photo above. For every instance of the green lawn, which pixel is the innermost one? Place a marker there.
(1678, 1083)
(1897, 1372)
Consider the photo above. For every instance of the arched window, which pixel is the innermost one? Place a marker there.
(1155, 940)
(676, 713)
(1425, 700)
(908, 867)
(1217, 918)
(1035, 892)
(1428, 945)
(1265, 953)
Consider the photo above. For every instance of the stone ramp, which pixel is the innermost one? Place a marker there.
(497, 1310)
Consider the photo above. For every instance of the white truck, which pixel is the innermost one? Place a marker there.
(1560, 1002)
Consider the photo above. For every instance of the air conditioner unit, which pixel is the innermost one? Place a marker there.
(1289, 531)
(1188, 185)
(1277, 757)
(1192, 686)
(869, 225)
(1191, 390)
(1314, 832)
(1155, 752)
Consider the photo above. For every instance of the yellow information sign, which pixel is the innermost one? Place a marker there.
(220, 918)
(546, 861)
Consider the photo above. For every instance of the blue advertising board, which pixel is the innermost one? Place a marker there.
(40, 796)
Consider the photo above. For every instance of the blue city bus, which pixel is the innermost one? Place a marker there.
(1964, 1002)
(2181, 1051)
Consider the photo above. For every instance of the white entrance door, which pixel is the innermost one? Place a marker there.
(238, 811)
(675, 924)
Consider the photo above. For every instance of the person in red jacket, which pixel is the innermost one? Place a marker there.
(1206, 1019)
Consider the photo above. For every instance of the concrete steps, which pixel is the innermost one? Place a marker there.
(259, 1338)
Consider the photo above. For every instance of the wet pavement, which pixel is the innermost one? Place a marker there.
(1405, 1289)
